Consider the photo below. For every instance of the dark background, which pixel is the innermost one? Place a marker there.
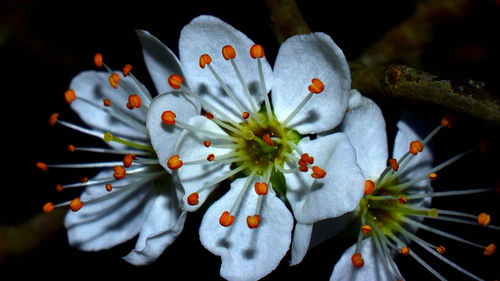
(43, 45)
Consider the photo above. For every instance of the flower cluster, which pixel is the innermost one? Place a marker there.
(295, 143)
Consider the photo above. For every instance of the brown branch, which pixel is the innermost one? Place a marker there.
(399, 81)
(286, 19)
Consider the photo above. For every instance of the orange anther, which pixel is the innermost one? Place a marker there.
(405, 250)
(69, 96)
(168, 117)
(402, 199)
(318, 173)
(108, 187)
(303, 166)
(253, 221)
(316, 87)
(440, 249)
(448, 120)
(84, 180)
(306, 158)
(416, 147)
(126, 70)
(127, 160)
(366, 229)
(193, 199)
(134, 100)
(369, 187)
(433, 176)
(114, 79)
(228, 52)
(106, 102)
(75, 204)
(210, 157)
(490, 249)
(48, 207)
(174, 162)
(357, 260)
(484, 219)
(261, 188)
(41, 166)
(245, 115)
(394, 164)
(256, 51)
(267, 138)
(53, 119)
(70, 148)
(119, 172)
(206, 143)
(209, 115)
(226, 219)
(59, 187)
(204, 60)
(98, 60)
(175, 81)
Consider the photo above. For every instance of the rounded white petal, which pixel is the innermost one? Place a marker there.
(207, 35)
(247, 254)
(109, 218)
(364, 124)
(94, 86)
(338, 192)
(162, 225)
(373, 268)
(160, 61)
(300, 59)
(190, 147)
(164, 137)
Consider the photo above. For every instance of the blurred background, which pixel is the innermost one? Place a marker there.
(44, 44)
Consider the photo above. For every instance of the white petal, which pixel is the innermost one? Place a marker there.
(365, 126)
(207, 35)
(300, 243)
(109, 218)
(190, 147)
(338, 192)
(161, 226)
(410, 129)
(164, 137)
(247, 254)
(373, 268)
(300, 59)
(94, 86)
(160, 61)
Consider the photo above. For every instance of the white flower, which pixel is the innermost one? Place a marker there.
(129, 197)
(397, 197)
(268, 149)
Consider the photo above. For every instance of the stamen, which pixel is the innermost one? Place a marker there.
(193, 199)
(75, 204)
(484, 219)
(126, 70)
(253, 221)
(206, 143)
(226, 219)
(175, 81)
(448, 193)
(84, 180)
(59, 187)
(357, 260)
(210, 157)
(402, 199)
(433, 176)
(53, 118)
(114, 79)
(204, 60)
(69, 96)
(257, 52)
(70, 148)
(110, 137)
(41, 166)
(119, 172)
(243, 190)
(405, 250)
(261, 188)
(127, 160)
(174, 163)
(228, 52)
(394, 164)
(268, 139)
(366, 229)
(168, 117)
(369, 187)
(490, 249)
(416, 147)
(316, 88)
(48, 207)
(448, 121)
(318, 173)
(98, 60)
(134, 101)
(108, 187)
(245, 115)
